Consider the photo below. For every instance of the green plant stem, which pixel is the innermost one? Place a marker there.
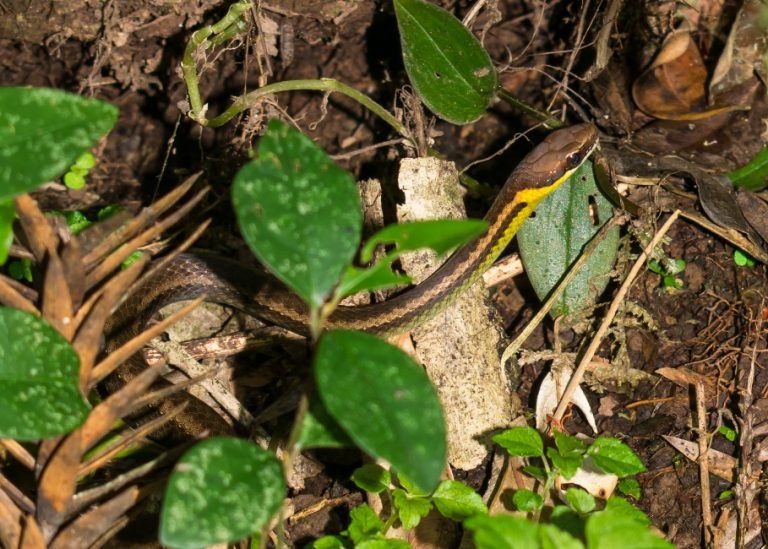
(550, 122)
(323, 84)
(200, 40)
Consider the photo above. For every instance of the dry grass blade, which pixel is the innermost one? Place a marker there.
(108, 365)
(134, 437)
(31, 535)
(57, 484)
(88, 341)
(10, 521)
(74, 271)
(146, 217)
(57, 301)
(92, 525)
(89, 497)
(18, 497)
(41, 238)
(114, 260)
(116, 406)
(19, 452)
(10, 297)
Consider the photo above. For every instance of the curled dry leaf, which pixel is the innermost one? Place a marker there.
(551, 388)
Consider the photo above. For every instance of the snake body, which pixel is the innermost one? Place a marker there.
(223, 280)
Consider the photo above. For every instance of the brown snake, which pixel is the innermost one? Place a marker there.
(225, 281)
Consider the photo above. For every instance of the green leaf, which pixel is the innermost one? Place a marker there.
(566, 464)
(527, 501)
(21, 269)
(503, 532)
(364, 523)
(753, 176)
(220, 491)
(371, 478)
(457, 501)
(410, 509)
(566, 519)
(569, 445)
(384, 401)
(552, 537)
(38, 379)
(7, 215)
(521, 442)
(299, 212)
(629, 487)
(43, 131)
(74, 180)
(742, 259)
(382, 543)
(616, 527)
(580, 500)
(552, 241)
(86, 161)
(446, 64)
(320, 430)
(327, 542)
(441, 236)
(613, 456)
(536, 472)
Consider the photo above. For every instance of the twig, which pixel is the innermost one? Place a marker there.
(706, 509)
(578, 374)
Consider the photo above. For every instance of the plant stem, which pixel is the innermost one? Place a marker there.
(550, 122)
(329, 85)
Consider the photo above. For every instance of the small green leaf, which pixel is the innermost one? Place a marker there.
(752, 176)
(566, 464)
(410, 509)
(220, 491)
(371, 478)
(320, 430)
(77, 222)
(74, 180)
(21, 269)
(553, 240)
(299, 212)
(457, 501)
(86, 161)
(552, 537)
(7, 215)
(521, 442)
(613, 456)
(617, 526)
(569, 445)
(728, 432)
(742, 259)
(39, 373)
(446, 64)
(384, 401)
(580, 500)
(440, 236)
(364, 523)
(536, 472)
(43, 131)
(108, 211)
(566, 519)
(503, 532)
(629, 487)
(725, 494)
(327, 542)
(527, 501)
(383, 543)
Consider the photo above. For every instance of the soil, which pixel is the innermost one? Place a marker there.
(129, 53)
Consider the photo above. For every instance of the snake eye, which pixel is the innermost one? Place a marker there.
(574, 159)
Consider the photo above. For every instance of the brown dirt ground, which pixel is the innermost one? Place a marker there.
(128, 53)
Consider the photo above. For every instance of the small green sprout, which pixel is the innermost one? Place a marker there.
(75, 177)
(742, 259)
(668, 271)
(728, 432)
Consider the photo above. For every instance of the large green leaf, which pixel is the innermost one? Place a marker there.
(221, 490)
(447, 65)
(43, 132)
(752, 176)
(299, 212)
(552, 240)
(38, 379)
(384, 401)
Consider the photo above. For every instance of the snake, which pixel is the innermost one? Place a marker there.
(226, 281)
